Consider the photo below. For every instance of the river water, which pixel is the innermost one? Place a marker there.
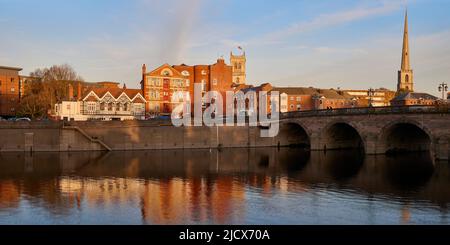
(230, 186)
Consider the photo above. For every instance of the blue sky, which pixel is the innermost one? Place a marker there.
(324, 43)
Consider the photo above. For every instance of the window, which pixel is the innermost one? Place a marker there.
(12, 80)
(125, 107)
(203, 85)
(185, 73)
(118, 107)
(102, 106)
(215, 82)
(188, 82)
(13, 90)
(299, 107)
(0, 83)
(204, 72)
(299, 99)
(292, 98)
(110, 107)
(68, 107)
(292, 107)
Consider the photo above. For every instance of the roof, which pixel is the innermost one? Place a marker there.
(115, 92)
(415, 96)
(11, 68)
(157, 71)
(327, 93)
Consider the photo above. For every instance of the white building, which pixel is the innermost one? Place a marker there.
(104, 104)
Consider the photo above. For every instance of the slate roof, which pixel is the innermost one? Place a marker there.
(415, 96)
(115, 92)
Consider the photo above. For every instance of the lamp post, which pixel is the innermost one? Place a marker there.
(443, 88)
(371, 93)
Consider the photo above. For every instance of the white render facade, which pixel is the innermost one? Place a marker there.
(103, 107)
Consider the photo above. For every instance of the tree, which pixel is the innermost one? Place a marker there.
(48, 87)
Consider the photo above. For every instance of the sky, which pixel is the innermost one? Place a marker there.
(346, 44)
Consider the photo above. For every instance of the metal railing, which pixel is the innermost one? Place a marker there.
(370, 111)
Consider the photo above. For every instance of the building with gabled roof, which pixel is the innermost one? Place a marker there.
(103, 104)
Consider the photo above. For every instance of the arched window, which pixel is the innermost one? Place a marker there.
(407, 78)
(110, 106)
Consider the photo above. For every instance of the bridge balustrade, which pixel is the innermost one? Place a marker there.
(369, 111)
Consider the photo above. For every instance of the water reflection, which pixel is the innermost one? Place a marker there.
(230, 186)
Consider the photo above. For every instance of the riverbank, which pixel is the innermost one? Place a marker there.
(123, 136)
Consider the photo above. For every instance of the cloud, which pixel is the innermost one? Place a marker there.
(333, 50)
(329, 20)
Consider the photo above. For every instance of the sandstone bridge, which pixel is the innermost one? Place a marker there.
(378, 130)
(373, 130)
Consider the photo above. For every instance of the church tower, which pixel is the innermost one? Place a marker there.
(238, 62)
(405, 75)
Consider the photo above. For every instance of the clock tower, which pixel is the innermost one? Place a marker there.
(238, 62)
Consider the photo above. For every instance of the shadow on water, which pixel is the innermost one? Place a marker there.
(343, 165)
(409, 171)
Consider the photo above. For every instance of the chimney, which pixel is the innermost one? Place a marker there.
(79, 91)
(124, 86)
(144, 71)
(70, 92)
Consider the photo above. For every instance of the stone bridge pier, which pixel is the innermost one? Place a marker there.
(372, 133)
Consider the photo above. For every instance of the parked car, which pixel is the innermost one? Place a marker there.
(23, 119)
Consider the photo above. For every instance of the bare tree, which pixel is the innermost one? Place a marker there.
(48, 87)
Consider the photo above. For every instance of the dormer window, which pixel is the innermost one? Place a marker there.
(185, 73)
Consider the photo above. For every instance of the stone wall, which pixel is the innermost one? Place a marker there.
(370, 132)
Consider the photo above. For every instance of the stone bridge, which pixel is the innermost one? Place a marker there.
(374, 130)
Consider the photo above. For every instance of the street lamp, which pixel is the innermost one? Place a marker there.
(443, 88)
(371, 93)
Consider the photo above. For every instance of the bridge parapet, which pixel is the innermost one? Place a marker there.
(369, 111)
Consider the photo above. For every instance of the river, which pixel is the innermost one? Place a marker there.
(228, 186)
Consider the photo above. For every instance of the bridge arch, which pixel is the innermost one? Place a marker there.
(339, 135)
(405, 136)
(293, 134)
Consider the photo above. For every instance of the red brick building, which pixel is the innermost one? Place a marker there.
(9, 90)
(411, 99)
(304, 99)
(160, 84)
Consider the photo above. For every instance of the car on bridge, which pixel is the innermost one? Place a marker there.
(23, 119)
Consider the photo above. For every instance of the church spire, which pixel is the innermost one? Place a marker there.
(405, 53)
(405, 75)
